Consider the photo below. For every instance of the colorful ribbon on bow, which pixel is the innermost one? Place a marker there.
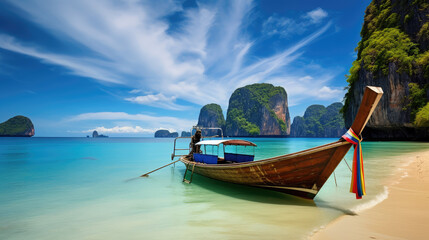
(358, 180)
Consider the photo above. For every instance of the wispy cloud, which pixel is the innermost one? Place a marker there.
(124, 129)
(157, 100)
(204, 61)
(81, 66)
(301, 88)
(316, 15)
(287, 27)
(134, 91)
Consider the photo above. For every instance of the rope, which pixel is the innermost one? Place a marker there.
(335, 178)
(347, 164)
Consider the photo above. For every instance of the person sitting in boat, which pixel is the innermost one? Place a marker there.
(196, 138)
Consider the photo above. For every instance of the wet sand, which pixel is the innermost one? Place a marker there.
(403, 215)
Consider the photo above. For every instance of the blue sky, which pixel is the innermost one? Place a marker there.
(128, 68)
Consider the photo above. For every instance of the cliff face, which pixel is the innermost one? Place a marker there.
(393, 54)
(165, 134)
(258, 110)
(319, 121)
(18, 126)
(211, 115)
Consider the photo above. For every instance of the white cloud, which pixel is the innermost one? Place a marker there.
(158, 100)
(316, 15)
(300, 88)
(124, 129)
(329, 93)
(286, 27)
(282, 26)
(150, 122)
(204, 61)
(134, 91)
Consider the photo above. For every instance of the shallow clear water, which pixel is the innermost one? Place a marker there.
(76, 188)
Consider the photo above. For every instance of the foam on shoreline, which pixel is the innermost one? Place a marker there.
(372, 203)
(402, 187)
(385, 193)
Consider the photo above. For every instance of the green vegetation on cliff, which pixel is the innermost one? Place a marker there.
(248, 104)
(236, 117)
(423, 62)
(211, 116)
(313, 126)
(386, 46)
(212, 110)
(17, 126)
(422, 117)
(424, 32)
(416, 99)
(319, 121)
(394, 32)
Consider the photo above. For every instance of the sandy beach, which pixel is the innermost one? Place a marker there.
(403, 215)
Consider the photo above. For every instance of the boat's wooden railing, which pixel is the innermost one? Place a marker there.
(208, 128)
(174, 154)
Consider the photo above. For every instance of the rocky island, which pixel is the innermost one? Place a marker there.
(18, 126)
(165, 134)
(96, 135)
(394, 55)
(211, 116)
(319, 121)
(258, 110)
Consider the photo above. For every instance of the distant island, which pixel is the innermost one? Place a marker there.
(96, 135)
(166, 134)
(18, 126)
(319, 121)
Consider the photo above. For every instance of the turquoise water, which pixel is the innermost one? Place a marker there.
(76, 188)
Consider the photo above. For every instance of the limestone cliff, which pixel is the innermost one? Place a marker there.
(211, 115)
(319, 121)
(258, 110)
(18, 126)
(393, 54)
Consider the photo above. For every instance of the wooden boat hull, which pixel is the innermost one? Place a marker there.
(301, 174)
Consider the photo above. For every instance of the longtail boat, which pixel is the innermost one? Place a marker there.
(302, 174)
